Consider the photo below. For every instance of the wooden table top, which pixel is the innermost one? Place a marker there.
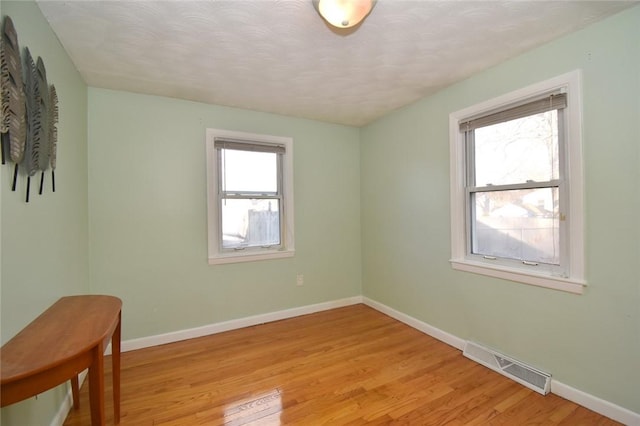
(71, 326)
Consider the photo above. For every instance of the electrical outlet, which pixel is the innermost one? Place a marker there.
(299, 279)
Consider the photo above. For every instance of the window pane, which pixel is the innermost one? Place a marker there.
(250, 222)
(520, 224)
(517, 151)
(249, 171)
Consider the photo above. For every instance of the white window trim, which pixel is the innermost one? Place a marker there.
(216, 256)
(460, 260)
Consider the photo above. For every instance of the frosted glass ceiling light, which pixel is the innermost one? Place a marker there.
(344, 13)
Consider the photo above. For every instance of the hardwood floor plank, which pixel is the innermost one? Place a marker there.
(347, 366)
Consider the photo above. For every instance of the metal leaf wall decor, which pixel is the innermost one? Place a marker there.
(44, 106)
(34, 123)
(29, 111)
(4, 97)
(53, 133)
(13, 101)
(4, 90)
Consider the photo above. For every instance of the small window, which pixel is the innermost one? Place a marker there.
(250, 196)
(516, 187)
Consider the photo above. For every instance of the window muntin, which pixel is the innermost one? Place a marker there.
(560, 189)
(250, 196)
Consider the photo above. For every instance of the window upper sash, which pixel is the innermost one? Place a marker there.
(549, 102)
(248, 146)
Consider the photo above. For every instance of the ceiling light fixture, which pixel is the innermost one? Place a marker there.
(343, 13)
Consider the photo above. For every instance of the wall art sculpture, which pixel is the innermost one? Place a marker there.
(28, 124)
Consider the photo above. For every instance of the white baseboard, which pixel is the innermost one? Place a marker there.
(176, 336)
(432, 331)
(593, 403)
(67, 403)
(63, 411)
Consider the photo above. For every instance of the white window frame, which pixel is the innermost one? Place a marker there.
(573, 280)
(286, 249)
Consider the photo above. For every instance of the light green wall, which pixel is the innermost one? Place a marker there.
(590, 342)
(141, 233)
(148, 226)
(45, 242)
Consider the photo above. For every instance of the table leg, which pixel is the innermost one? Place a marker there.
(96, 386)
(75, 391)
(115, 366)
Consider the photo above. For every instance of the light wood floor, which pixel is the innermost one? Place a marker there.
(348, 366)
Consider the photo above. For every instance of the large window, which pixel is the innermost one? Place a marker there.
(250, 196)
(516, 186)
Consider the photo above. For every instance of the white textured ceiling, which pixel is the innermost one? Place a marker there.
(279, 56)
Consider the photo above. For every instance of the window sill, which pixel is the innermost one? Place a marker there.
(557, 283)
(249, 257)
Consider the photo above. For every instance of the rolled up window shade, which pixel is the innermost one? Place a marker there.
(240, 145)
(548, 103)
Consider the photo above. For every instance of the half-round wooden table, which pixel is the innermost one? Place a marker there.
(64, 340)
